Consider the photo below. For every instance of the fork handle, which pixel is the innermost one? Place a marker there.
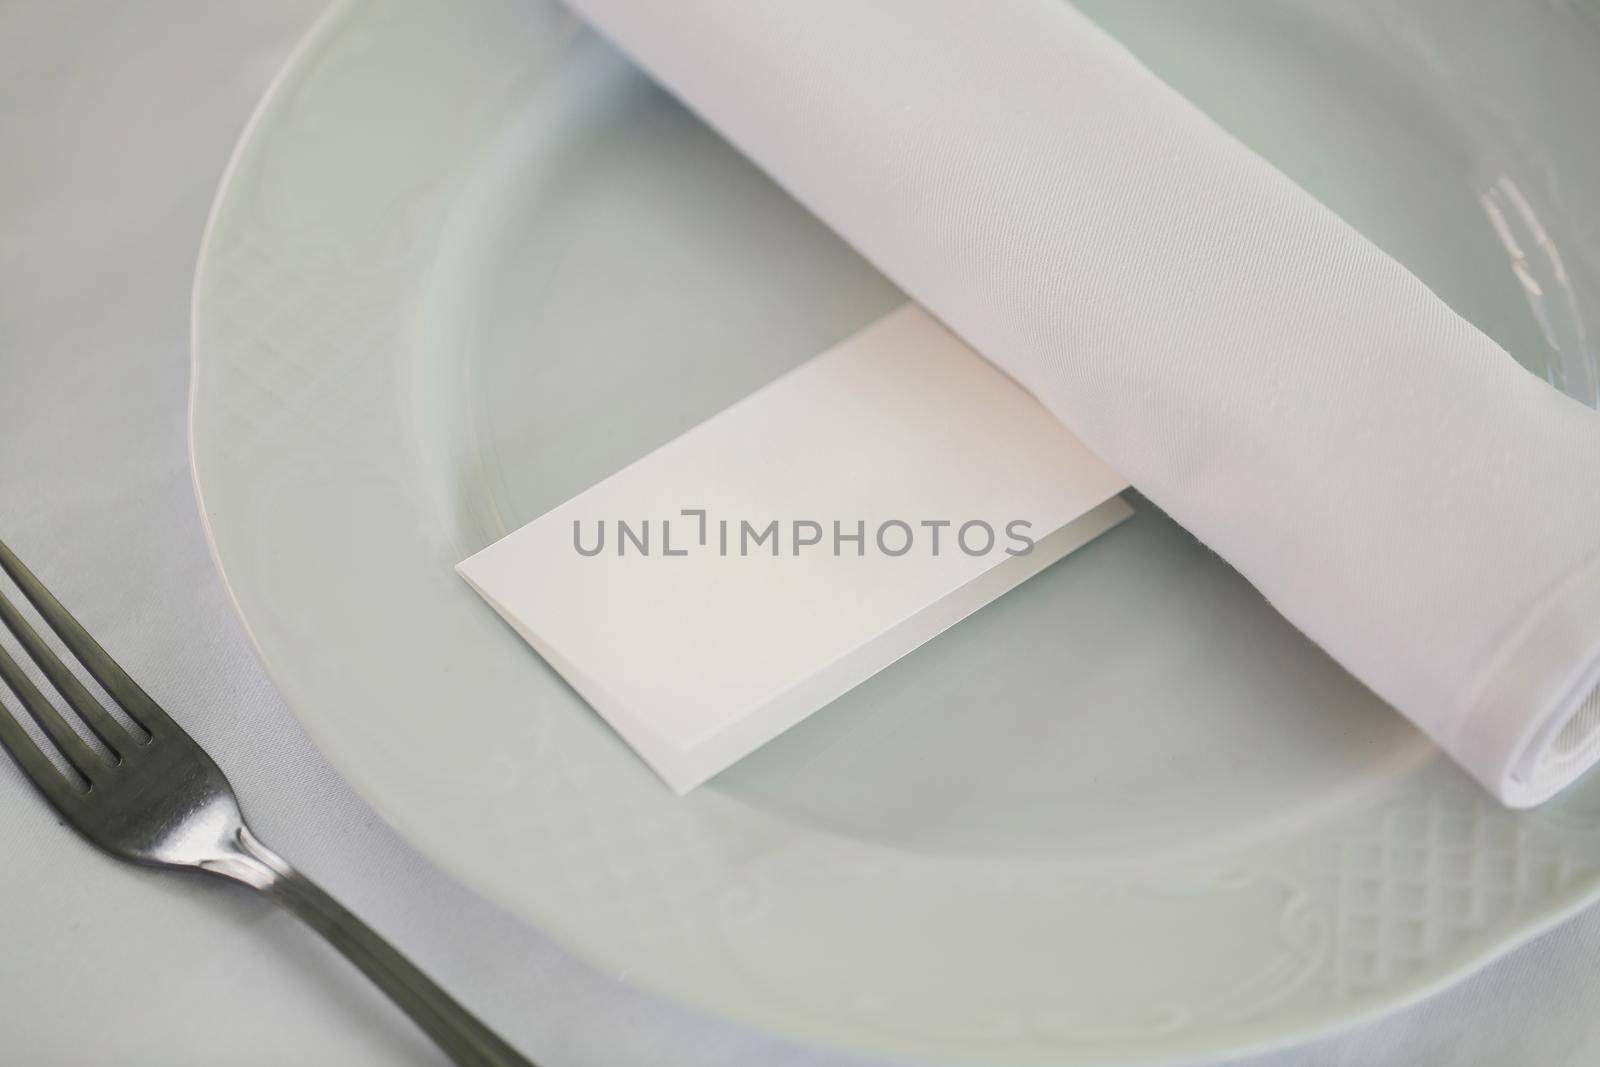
(455, 1030)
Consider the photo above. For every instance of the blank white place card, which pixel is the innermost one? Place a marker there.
(730, 583)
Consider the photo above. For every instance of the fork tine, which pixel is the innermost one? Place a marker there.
(66, 740)
(107, 729)
(101, 667)
(44, 775)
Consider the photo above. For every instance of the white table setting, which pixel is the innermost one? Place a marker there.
(1276, 758)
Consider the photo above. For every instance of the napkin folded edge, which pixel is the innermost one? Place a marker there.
(1552, 657)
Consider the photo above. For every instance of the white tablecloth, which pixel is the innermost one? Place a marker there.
(115, 124)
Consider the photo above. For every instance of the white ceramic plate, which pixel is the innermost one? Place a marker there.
(467, 262)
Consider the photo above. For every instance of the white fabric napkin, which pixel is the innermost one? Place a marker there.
(1394, 483)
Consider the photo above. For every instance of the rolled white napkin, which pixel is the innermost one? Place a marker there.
(1394, 483)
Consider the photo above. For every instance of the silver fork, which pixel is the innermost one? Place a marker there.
(159, 800)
